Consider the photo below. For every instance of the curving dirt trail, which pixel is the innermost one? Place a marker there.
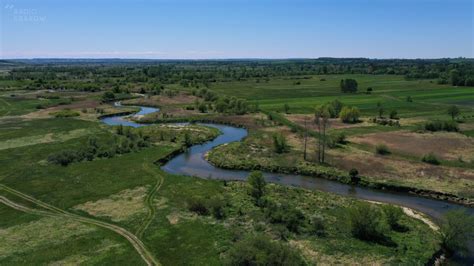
(149, 201)
(146, 255)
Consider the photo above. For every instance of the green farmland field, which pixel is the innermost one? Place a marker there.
(392, 91)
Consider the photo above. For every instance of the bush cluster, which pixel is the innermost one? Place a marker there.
(215, 206)
(280, 144)
(366, 222)
(125, 142)
(386, 122)
(382, 149)
(348, 85)
(450, 126)
(281, 213)
(225, 104)
(349, 114)
(371, 223)
(65, 113)
(260, 250)
(431, 159)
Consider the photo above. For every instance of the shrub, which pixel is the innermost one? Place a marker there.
(453, 111)
(434, 126)
(285, 214)
(260, 250)
(280, 144)
(257, 185)
(336, 105)
(450, 126)
(108, 96)
(317, 225)
(366, 222)
(393, 215)
(394, 114)
(281, 232)
(354, 175)
(382, 149)
(187, 139)
(202, 107)
(340, 138)
(349, 114)
(217, 207)
(348, 85)
(198, 205)
(63, 158)
(457, 229)
(431, 159)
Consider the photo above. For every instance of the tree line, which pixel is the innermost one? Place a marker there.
(93, 76)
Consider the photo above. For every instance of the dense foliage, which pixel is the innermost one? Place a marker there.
(457, 229)
(260, 250)
(152, 75)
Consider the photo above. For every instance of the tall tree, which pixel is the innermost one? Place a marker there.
(257, 185)
(305, 137)
(456, 229)
(348, 85)
(322, 116)
(380, 109)
(453, 111)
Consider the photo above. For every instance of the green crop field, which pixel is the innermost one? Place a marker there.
(390, 90)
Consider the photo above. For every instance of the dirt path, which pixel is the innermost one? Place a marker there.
(149, 201)
(5, 107)
(146, 255)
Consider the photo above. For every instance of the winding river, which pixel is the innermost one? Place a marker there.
(193, 163)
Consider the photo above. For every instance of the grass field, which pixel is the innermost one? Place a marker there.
(429, 98)
(157, 207)
(129, 193)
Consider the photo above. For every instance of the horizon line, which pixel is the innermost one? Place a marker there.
(234, 58)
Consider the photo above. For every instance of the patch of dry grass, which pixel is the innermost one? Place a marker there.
(47, 138)
(118, 207)
(446, 145)
(46, 231)
(335, 123)
(415, 174)
(315, 257)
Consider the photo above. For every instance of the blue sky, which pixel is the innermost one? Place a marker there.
(236, 28)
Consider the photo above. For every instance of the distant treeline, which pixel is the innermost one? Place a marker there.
(93, 75)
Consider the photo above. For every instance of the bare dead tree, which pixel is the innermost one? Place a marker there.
(322, 120)
(305, 137)
(317, 120)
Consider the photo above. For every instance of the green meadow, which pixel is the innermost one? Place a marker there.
(174, 235)
(429, 99)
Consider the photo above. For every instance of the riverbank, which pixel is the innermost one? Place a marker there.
(171, 155)
(256, 154)
(234, 157)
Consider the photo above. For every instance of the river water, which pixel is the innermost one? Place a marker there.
(193, 163)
